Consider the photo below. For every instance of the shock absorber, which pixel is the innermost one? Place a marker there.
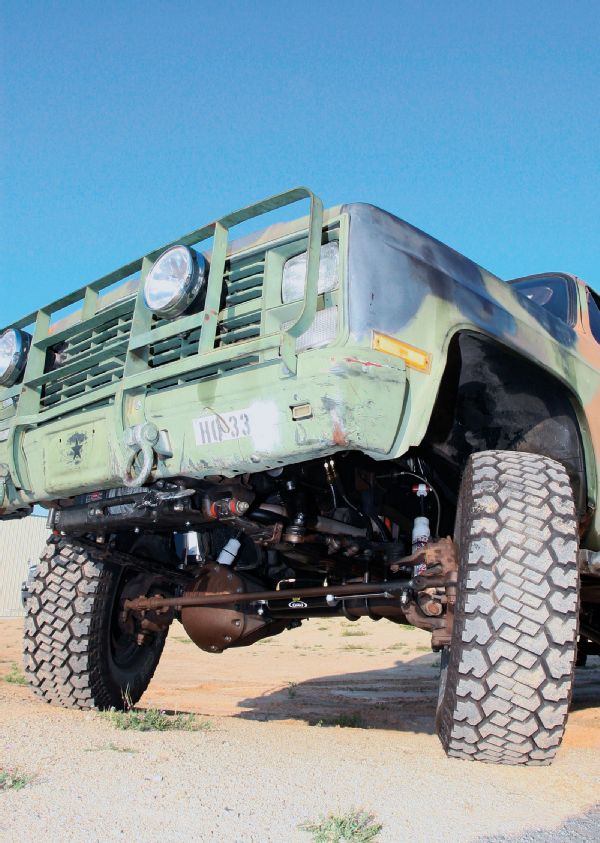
(228, 554)
(421, 533)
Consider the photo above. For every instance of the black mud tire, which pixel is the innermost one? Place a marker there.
(507, 678)
(70, 657)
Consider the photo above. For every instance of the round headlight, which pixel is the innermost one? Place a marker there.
(174, 281)
(14, 345)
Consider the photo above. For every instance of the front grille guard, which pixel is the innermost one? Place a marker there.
(137, 372)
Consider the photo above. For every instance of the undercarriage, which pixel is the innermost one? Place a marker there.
(505, 598)
(239, 560)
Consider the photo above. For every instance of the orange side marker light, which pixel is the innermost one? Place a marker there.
(415, 358)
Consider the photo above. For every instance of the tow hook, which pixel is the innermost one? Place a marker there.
(147, 440)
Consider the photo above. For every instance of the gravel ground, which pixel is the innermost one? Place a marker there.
(262, 770)
(583, 829)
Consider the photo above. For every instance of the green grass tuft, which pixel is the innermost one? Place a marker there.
(349, 633)
(153, 720)
(13, 780)
(15, 675)
(355, 827)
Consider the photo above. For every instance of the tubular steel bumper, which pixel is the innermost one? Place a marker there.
(24, 479)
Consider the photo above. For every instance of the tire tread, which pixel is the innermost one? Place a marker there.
(65, 629)
(512, 658)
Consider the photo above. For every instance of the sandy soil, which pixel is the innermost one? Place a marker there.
(256, 781)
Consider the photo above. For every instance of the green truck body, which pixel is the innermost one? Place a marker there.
(247, 434)
(64, 430)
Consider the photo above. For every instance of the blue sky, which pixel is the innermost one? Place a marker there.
(127, 124)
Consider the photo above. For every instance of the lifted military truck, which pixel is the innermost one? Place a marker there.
(337, 416)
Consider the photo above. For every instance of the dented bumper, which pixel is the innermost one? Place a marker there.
(342, 398)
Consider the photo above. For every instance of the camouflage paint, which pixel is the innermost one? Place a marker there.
(419, 290)
(392, 278)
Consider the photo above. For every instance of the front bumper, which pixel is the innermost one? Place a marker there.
(342, 398)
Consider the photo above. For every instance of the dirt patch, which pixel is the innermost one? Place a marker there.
(387, 677)
(245, 780)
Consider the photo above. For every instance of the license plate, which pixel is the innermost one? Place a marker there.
(226, 427)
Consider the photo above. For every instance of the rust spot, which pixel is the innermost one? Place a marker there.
(363, 362)
(339, 437)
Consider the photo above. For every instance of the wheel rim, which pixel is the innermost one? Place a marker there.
(124, 651)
